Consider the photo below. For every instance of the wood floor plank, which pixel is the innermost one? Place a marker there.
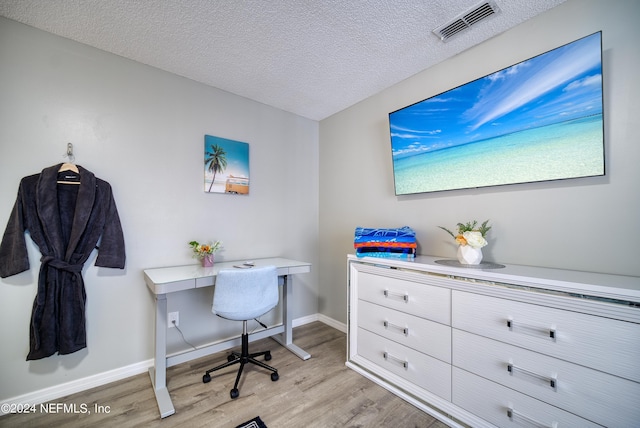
(320, 392)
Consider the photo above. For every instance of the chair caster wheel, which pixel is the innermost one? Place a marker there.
(267, 356)
(234, 393)
(274, 377)
(206, 378)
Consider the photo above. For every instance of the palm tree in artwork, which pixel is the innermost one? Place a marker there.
(215, 161)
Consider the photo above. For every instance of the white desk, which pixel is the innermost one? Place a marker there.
(162, 281)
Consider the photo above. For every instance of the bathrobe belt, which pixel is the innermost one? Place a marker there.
(61, 265)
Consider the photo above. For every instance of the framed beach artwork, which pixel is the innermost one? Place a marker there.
(226, 166)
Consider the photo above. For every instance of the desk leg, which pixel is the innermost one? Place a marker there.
(158, 373)
(286, 338)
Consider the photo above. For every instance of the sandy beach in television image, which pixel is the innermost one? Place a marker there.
(226, 166)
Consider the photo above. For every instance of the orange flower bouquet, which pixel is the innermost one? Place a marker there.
(205, 252)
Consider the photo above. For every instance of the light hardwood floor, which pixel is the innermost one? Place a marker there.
(320, 392)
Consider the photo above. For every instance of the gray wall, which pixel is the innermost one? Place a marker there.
(143, 130)
(587, 224)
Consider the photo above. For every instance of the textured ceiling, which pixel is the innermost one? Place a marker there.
(310, 57)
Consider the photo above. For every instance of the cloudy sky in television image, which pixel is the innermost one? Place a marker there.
(560, 85)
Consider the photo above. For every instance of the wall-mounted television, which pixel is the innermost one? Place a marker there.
(538, 120)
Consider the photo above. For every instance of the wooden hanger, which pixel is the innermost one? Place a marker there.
(69, 167)
(74, 173)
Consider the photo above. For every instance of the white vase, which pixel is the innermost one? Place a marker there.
(467, 255)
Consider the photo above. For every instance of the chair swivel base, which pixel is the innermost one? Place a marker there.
(243, 358)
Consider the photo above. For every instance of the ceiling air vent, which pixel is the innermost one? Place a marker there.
(466, 19)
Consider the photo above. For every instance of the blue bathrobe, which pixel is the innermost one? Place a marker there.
(67, 222)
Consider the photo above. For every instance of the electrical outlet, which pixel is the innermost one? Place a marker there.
(174, 319)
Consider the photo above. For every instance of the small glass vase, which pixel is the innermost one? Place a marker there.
(207, 260)
(467, 255)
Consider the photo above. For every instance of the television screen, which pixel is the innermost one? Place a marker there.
(538, 120)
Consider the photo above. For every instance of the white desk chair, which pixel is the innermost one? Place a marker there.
(242, 295)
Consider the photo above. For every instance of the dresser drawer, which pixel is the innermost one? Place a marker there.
(420, 369)
(594, 395)
(601, 343)
(505, 407)
(425, 336)
(426, 301)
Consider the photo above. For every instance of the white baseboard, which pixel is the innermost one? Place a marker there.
(333, 323)
(75, 386)
(323, 319)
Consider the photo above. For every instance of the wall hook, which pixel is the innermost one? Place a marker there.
(69, 154)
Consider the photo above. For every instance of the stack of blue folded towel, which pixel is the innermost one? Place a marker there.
(375, 242)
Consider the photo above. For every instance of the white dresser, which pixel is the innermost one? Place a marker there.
(517, 346)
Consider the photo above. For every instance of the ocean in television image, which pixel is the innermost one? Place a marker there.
(538, 120)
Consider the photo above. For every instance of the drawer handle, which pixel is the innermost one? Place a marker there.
(550, 331)
(404, 330)
(403, 296)
(512, 414)
(553, 383)
(403, 363)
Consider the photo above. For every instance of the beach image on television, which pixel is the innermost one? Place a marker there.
(226, 166)
(538, 120)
